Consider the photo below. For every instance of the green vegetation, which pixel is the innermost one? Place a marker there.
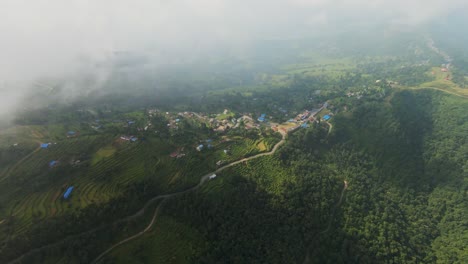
(384, 181)
(103, 153)
(406, 170)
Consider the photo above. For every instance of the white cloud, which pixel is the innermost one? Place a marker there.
(55, 37)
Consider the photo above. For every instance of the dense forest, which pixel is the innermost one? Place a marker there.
(404, 201)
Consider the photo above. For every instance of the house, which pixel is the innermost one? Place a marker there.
(212, 176)
(44, 145)
(200, 147)
(225, 151)
(326, 117)
(71, 133)
(52, 163)
(261, 118)
(68, 192)
(220, 162)
(133, 139)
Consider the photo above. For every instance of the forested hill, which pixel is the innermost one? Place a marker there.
(403, 159)
(412, 206)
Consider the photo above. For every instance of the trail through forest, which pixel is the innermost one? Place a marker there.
(345, 186)
(202, 181)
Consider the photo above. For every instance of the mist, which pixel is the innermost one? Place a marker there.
(78, 44)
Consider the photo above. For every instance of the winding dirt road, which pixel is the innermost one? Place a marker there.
(203, 179)
(440, 89)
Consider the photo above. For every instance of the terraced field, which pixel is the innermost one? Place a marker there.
(35, 191)
(101, 167)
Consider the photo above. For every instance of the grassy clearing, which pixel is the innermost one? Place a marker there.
(103, 153)
(225, 116)
(261, 146)
(319, 65)
(441, 83)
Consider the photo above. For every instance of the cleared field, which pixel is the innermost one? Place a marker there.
(442, 81)
(103, 153)
(319, 65)
(35, 190)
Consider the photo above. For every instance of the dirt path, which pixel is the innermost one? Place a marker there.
(203, 179)
(440, 89)
(330, 127)
(153, 220)
(332, 216)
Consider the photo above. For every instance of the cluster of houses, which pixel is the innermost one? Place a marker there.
(208, 145)
(225, 124)
(358, 95)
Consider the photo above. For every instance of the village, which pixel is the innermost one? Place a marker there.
(225, 128)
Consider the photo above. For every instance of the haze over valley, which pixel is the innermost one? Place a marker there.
(292, 131)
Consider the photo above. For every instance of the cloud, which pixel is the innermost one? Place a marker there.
(47, 36)
(64, 37)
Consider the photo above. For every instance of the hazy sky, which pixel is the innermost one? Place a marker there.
(55, 37)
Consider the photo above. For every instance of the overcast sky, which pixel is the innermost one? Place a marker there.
(55, 37)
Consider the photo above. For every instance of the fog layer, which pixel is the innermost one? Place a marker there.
(67, 38)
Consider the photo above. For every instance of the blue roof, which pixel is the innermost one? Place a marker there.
(177, 120)
(134, 139)
(261, 119)
(71, 132)
(326, 117)
(44, 145)
(68, 192)
(305, 125)
(131, 122)
(262, 115)
(52, 163)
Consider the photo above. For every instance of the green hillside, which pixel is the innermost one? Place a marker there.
(405, 168)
